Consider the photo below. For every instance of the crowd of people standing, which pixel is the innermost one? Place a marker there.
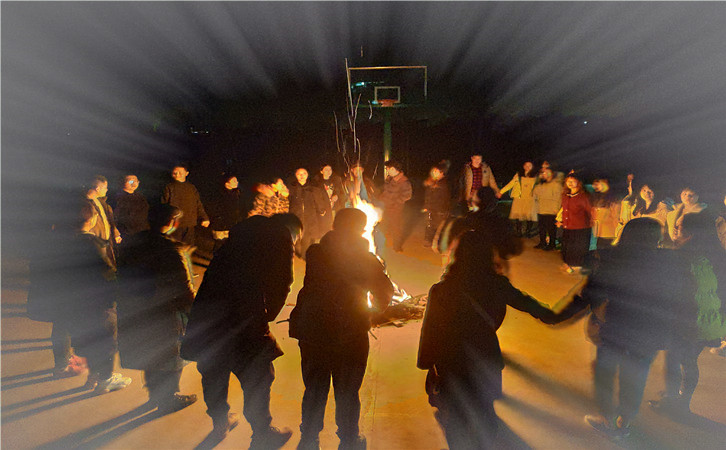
(128, 287)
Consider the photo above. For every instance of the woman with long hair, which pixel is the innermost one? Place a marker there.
(523, 212)
(576, 222)
(459, 345)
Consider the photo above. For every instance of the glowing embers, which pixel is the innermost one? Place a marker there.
(373, 216)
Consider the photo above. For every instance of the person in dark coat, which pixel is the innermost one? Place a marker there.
(459, 345)
(244, 288)
(397, 191)
(184, 195)
(331, 320)
(437, 201)
(332, 184)
(637, 295)
(225, 211)
(706, 267)
(310, 204)
(131, 210)
(87, 303)
(155, 291)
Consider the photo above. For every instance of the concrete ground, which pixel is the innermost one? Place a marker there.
(547, 382)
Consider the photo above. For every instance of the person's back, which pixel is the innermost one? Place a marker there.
(230, 302)
(339, 272)
(644, 289)
(244, 289)
(331, 321)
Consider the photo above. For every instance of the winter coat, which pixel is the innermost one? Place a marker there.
(709, 293)
(487, 179)
(516, 187)
(548, 197)
(225, 210)
(396, 192)
(463, 314)
(332, 186)
(437, 196)
(576, 211)
(641, 300)
(155, 292)
(605, 214)
(332, 306)
(244, 288)
(310, 204)
(677, 213)
(185, 197)
(131, 213)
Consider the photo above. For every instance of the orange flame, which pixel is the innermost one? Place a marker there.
(373, 216)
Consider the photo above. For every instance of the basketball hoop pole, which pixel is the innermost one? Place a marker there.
(387, 138)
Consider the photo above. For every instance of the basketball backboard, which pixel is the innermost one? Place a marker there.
(400, 85)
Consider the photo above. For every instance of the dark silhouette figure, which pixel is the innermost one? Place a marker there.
(244, 288)
(706, 265)
(459, 345)
(155, 291)
(636, 295)
(331, 320)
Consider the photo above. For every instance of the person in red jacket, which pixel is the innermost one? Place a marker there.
(576, 223)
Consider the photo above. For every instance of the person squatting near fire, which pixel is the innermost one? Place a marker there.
(244, 289)
(331, 320)
(155, 294)
(397, 190)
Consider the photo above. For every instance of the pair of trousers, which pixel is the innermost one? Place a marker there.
(682, 372)
(94, 338)
(575, 245)
(162, 384)
(60, 338)
(345, 364)
(467, 413)
(255, 374)
(393, 220)
(433, 223)
(634, 370)
(547, 228)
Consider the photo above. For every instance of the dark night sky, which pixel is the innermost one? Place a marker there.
(109, 86)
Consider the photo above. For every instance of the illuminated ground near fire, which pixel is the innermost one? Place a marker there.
(547, 382)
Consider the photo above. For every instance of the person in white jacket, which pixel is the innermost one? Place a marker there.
(548, 200)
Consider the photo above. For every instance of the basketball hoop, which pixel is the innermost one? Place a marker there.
(387, 102)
